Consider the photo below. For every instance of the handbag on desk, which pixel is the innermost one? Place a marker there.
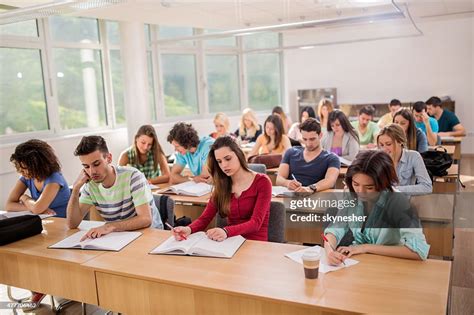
(18, 228)
(270, 160)
(437, 162)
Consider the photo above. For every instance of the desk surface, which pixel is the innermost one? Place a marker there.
(260, 270)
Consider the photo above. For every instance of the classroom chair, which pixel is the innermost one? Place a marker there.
(259, 168)
(165, 206)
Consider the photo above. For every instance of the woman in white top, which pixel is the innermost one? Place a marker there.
(295, 132)
(340, 138)
(412, 175)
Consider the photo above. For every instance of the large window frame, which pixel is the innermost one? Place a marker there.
(45, 44)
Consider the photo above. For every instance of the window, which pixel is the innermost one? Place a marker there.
(174, 31)
(72, 29)
(263, 72)
(80, 88)
(261, 40)
(22, 96)
(220, 42)
(151, 86)
(25, 28)
(113, 32)
(179, 82)
(223, 83)
(117, 86)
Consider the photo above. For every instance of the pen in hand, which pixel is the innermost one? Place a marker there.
(333, 249)
(172, 229)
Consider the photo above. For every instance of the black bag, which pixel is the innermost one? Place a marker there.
(183, 221)
(437, 162)
(18, 228)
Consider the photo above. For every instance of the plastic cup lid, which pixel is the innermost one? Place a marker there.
(311, 255)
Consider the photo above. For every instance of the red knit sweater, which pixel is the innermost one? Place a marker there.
(249, 213)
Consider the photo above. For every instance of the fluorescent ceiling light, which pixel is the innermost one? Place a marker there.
(52, 8)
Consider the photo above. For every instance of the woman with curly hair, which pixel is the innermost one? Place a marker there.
(49, 192)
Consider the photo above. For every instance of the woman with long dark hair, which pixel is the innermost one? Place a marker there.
(147, 156)
(389, 228)
(340, 138)
(416, 139)
(273, 140)
(240, 195)
(295, 133)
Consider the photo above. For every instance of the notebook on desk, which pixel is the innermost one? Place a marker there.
(114, 241)
(189, 188)
(12, 214)
(198, 244)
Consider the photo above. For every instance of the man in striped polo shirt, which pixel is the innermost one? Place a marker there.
(120, 194)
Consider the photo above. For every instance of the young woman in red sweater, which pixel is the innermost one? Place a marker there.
(240, 195)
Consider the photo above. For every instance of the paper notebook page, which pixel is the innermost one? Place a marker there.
(12, 214)
(226, 248)
(324, 267)
(192, 188)
(171, 244)
(280, 190)
(71, 241)
(86, 225)
(113, 241)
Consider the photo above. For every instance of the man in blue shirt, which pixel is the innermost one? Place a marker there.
(191, 151)
(309, 168)
(427, 124)
(449, 124)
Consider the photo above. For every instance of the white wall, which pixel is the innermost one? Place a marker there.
(410, 69)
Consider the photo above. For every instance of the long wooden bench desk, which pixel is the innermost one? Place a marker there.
(260, 280)
(29, 264)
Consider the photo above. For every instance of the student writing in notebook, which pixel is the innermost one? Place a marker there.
(120, 194)
(147, 156)
(190, 151)
(340, 138)
(391, 227)
(41, 175)
(240, 195)
(309, 168)
(273, 140)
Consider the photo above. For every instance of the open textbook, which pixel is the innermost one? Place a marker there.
(281, 191)
(324, 267)
(12, 214)
(114, 241)
(189, 188)
(198, 244)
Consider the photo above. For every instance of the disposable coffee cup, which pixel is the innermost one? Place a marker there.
(311, 264)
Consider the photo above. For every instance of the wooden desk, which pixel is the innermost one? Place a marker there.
(448, 183)
(260, 280)
(456, 141)
(29, 264)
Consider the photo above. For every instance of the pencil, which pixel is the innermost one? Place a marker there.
(172, 228)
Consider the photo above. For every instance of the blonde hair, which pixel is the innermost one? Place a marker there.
(395, 132)
(325, 102)
(223, 120)
(249, 114)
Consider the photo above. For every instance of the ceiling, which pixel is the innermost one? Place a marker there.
(234, 14)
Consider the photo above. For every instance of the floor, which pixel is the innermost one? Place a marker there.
(462, 281)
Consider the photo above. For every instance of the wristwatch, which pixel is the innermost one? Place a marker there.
(313, 187)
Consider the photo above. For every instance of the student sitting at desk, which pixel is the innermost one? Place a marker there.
(294, 132)
(240, 195)
(40, 174)
(273, 141)
(425, 123)
(416, 139)
(394, 106)
(325, 107)
(191, 151)
(285, 120)
(49, 192)
(249, 128)
(147, 156)
(340, 138)
(222, 124)
(309, 168)
(121, 195)
(365, 127)
(448, 122)
(370, 178)
(412, 175)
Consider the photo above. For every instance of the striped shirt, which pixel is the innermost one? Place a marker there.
(148, 168)
(118, 202)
